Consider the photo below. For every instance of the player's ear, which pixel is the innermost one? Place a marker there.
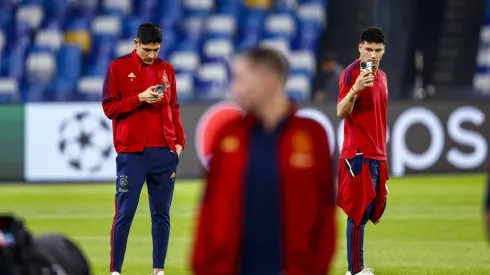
(136, 41)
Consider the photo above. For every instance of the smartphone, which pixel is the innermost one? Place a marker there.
(366, 66)
(160, 88)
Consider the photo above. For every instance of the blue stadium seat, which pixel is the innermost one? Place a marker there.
(32, 14)
(118, 8)
(147, 10)
(50, 39)
(101, 55)
(302, 63)
(9, 90)
(170, 13)
(211, 81)
(218, 49)
(251, 28)
(6, 14)
(69, 62)
(185, 62)
(220, 26)
(228, 7)
(278, 44)
(40, 67)
(185, 87)
(56, 12)
(200, 8)
(83, 9)
(130, 27)
(61, 89)
(280, 26)
(123, 47)
(298, 87)
(90, 88)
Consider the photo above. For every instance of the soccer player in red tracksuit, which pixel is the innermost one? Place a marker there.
(148, 137)
(363, 172)
(269, 202)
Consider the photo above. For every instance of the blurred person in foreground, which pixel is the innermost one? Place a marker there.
(148, 137)
(269, 200)
(363, 171)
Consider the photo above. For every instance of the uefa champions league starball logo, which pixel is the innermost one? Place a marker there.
(85, 141)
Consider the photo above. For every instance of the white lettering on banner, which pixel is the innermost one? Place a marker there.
(69, 141)
(466, 137)
(401, 156)
(321, 118)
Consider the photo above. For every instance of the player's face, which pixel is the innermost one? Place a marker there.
(147, 52)
(371, 52)
(246, 88)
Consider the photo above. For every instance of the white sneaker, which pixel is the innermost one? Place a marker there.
(115, 273)
(159, 273)
(365, 271)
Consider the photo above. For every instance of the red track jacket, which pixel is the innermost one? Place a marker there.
(308, 194)
(356, 191)
(120, 102)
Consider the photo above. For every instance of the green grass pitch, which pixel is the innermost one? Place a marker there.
(433, 225)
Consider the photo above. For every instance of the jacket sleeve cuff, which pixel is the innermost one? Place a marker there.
(134, 102)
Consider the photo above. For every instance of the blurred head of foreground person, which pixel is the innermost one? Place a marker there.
(258, 79)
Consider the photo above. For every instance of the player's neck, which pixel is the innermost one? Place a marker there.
(273, 111)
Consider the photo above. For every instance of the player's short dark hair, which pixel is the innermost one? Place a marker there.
(149, 33)
(373, 35)
(270, 59)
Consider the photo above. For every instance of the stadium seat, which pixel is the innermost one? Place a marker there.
(123, 47)
(61, 89)
(298, 87)
(302, 62)
(198, 8)
(78, 32)
(312, 11)
(185, 87)
(40, 67)
(220, 26)
(69, 62)
(170, 13)
(56, 12)
(211, 81)
(117, 7)
(280, 26)
(90, 88)
(285, 6)
(250, 29)
(83, 8)
(9, 90)
(31, 14)
(6, 13)
(262, 4)
(49, 38)
(147, 10)
(228, 7)
(218, 50)
(101, 55)
(185, 62)
(277, 44)
(106, 25)
(130, 27)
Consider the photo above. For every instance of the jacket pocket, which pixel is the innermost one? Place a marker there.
(354, 165)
